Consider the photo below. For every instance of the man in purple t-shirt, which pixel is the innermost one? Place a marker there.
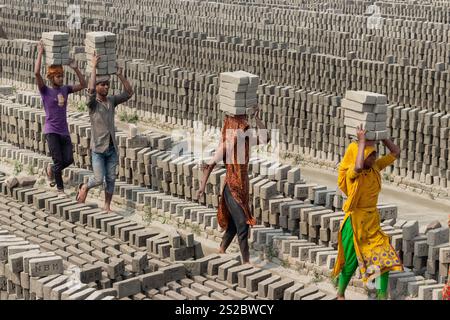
(56, 129)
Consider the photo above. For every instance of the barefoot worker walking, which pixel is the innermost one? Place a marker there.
(56, 129)
(234, 211)
(361, 242)
(103, 142)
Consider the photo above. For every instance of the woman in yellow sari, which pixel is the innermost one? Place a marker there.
(361, 241)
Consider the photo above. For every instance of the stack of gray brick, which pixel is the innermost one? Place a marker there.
(104, 45)
(237, 92)
(56, 45)
(368, 110)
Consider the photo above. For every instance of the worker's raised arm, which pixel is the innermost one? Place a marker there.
(393, 148)
(82, 85)
(94, 62)
(361, 134)
(37, 66)
(262, 136)
(126, 84)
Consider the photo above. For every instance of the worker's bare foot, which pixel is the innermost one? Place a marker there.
(221, 250)
(339, 297)
(62, 194)
(107, 208)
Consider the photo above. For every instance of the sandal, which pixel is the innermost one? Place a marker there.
(78, 191)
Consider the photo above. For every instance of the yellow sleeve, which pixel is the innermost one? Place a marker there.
(385, 161)
(351, 173)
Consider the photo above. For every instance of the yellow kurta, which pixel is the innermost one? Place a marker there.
(373, 250)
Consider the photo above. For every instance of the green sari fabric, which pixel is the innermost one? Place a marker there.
(351, 264)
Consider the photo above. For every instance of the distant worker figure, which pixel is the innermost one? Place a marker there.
(234, 213)
(56, 129)
(446, 290)
(361, 242)
(103, 140)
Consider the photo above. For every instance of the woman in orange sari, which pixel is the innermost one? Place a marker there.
(361, 242)
(234, 214)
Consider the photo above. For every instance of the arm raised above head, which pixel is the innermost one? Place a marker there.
(82, 85)
(93, 78)
(126, 84)
(361, 134)
(393, 148)
(37, 66)
(261, 137)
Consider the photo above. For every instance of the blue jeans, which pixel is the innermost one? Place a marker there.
(104, 165)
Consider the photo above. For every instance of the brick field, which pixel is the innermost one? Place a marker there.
(317, 70)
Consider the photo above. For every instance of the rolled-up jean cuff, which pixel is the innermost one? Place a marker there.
(109, 184)
(93, 182)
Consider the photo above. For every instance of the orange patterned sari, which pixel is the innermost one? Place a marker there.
(237, 171)
(446, 290)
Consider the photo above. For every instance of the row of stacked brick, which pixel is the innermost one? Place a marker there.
(190, 13)
(403, 44)
(74, 252)
(45, 257)
(299, 220)
(280, 198)
(145, 160)
(293, 35)
(306, 251)
(413, 86)
(56, 249)
(176, 96)
(414, 41)
(424, 251)
(402, 83)
(436, 11)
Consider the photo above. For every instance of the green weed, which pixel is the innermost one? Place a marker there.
(317, 277)
(285, 264)
(18, 167)
(148, 216)
(271, 253)
(81, 107)
(130, 118)
(30, 169)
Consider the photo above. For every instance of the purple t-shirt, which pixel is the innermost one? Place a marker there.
(55, 106)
